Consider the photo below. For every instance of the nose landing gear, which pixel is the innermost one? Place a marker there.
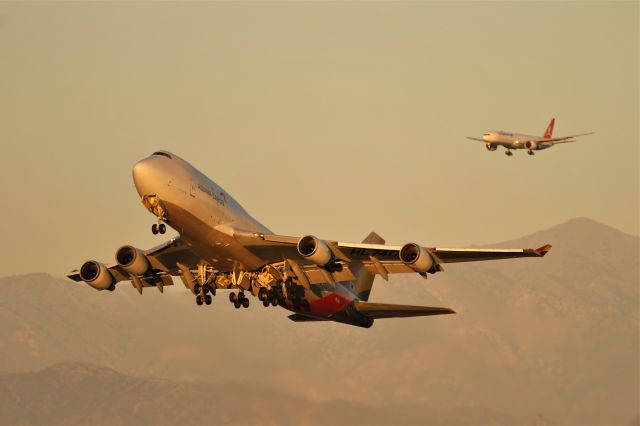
(508, 153)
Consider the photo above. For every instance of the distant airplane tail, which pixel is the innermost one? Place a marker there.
(549, 131)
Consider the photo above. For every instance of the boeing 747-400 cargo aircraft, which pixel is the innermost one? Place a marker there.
(221, 246)
(509, 140)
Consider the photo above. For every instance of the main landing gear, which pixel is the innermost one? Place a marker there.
(158, 228)
(202, 294)
(268, 297)
(239, 300)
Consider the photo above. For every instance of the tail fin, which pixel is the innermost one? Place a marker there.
(364, 278)
(549, 131)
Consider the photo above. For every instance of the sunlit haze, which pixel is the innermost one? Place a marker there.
(334, 119)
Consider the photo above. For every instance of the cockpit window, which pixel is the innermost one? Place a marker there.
(164, 154)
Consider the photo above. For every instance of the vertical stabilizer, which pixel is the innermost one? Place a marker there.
(549, 131)
(364, 278)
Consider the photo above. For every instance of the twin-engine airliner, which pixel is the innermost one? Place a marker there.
(509, 140)
(220, 246)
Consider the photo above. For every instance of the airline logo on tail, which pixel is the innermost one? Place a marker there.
(549, 131)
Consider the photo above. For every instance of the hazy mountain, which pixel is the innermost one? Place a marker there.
(85, 394)
(553, 338)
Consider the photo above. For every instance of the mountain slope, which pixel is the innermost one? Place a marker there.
(67, 394)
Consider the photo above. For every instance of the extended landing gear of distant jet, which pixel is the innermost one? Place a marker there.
(239, 300)
(508, 153)
(530, 152)
(158, 228)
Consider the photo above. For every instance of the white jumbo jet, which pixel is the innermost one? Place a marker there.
(221, 246)
(510, 140)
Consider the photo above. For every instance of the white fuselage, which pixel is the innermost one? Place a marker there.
(202, 212)
(512, 140)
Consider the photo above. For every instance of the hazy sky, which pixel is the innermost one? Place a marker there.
(327, 118)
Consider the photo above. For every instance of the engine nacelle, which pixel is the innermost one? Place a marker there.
(416, 258)
(133, 260)
(491, 147)
(96, 275)
(531, 145)
(315, 250)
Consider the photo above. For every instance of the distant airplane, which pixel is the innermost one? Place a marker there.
(221, 246)
(509, 140)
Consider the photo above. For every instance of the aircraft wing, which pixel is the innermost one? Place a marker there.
(163, 260)
(377, 258)
(475, 139)
(563, 139)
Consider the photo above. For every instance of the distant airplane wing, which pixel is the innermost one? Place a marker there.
(563, 139)
(386, 310)
(475, 139)
(163, 260)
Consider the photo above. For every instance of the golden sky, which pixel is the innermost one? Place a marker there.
(327, 118)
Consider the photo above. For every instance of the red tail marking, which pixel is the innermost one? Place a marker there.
(543, 250)
(549, 131)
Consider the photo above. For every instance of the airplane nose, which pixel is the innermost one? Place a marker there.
(141, 176)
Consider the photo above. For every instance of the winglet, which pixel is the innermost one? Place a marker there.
(543, 250)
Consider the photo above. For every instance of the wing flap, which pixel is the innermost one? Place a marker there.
(387, 310)
(454, 255)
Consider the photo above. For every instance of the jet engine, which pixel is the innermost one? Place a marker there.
(315, 250)
(133, 260)
(96, 275)
(531, 145)
(416, 258)
(491, 147)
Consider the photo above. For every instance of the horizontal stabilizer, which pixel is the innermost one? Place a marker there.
(304, 318)
(386, 310)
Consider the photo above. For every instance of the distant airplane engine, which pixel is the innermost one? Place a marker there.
(491, 147)
(416, 258)
(133, 260)
(531, 145)
(315, 250)
(96, 275)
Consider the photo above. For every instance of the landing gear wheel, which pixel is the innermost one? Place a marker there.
(209, 289)
(531, 152)
(245, 303)
(263, 294)
(162, 228)
(509, 153)
(207, 299)
(237, 304)
(154, 229)
(266, 303)
(232, 297)
(274, 302)
(199, 300)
